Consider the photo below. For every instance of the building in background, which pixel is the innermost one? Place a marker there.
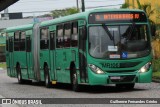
(155, 5)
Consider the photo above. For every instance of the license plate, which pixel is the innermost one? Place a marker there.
(115, 78)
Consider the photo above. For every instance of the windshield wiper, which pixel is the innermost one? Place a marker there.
(131, 31)
(113, 39)
(107, 31)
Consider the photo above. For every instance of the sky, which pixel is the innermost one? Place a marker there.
(28, 7)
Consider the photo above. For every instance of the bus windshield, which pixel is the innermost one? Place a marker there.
(127, 41)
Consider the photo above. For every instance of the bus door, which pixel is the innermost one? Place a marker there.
(68, 51)
(11, 57)
(29, 59)
(59, 60)
(52, 55)
(82, 54)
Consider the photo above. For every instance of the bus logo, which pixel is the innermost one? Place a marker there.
(110, 65)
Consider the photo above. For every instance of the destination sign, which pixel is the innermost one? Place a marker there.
(117, 17)
(103, 17)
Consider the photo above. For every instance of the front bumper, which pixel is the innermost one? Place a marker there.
(118, 78)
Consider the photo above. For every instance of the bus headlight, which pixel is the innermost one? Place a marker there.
(145, 68)
(95, 69)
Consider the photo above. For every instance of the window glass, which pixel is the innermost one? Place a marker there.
(23, 35)
(16, 41)
(59, 39)
(22, 41)
(67, 35)
(11, 44)
(16, 35)
(7, 42)
(44, 42)
(52, 43)
(28, 44)
(121, 41)
(44, 33)
(74, 41)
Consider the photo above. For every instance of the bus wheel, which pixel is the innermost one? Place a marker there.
(75, 85)
(127, 86)
(46, 77)
(19, 76)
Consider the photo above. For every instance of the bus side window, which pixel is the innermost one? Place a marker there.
(59, 38)
(28, 44)
(7, 42)
(11, 44)
(82, 42)
(74, 41)
(67, 35)
(44, 42)
(16, 41)
(22, 41)
(52, 43)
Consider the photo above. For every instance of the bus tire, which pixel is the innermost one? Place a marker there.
(19, 76)
(129, 86)
(75, 85)
(47, 77)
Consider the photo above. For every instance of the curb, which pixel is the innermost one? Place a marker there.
(156, 80)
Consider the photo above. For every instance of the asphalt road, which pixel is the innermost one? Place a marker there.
(9, 88)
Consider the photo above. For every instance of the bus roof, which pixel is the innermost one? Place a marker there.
(21, 27)
(112, 10)
(83, 15)
(65, 19)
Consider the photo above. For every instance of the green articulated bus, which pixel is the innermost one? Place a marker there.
(96, 47)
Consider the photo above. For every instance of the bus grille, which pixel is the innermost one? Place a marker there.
(128, 78)
(121, 71)
(129, 64)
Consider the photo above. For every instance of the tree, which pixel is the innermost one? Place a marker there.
(139, 4)
(64, 12)
(147, 8)
(158, 12)
(149, 11)
(125, 5)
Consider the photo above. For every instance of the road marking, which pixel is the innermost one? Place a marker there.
(8, 105)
